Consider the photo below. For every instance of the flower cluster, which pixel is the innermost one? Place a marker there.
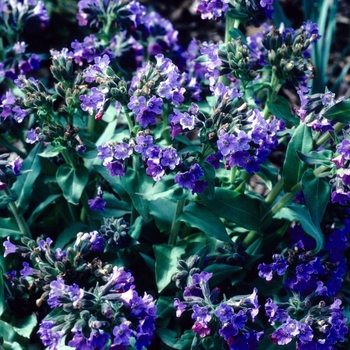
(229, 318)
(214, 9)
(93, 303)
(309, 316)
(8, 169)
(341, 183)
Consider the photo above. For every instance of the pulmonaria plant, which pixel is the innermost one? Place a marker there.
(94, 304)
(226, 320)
(179, 167)
(312, 315)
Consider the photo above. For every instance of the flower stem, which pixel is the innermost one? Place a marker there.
(273, 194)
(175, 226)
(266, 220)
(18, 217)
(326, 137)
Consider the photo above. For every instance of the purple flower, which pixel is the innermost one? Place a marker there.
(44, 245)
(284, 334)
(200, 278)
(97, 242)
(201, 329)
(154, 105)
(265, 271)
(75, 294)
(49, 336)
(143, 143)
(304, 272)
(170, 158)
(179, 306)
(92, 102)
(226, 144)
(122, 335)
(19, 114)
(305, 333)
(97, 204)
(224, 312)
(201, 314)
(137, 103)
(26, 271)
(344, 149)
(57, 291)
(32, 136)
(116, 168)
(228, 330)
(9, 247)
(15, 165)
(80, 342)
(155, 170)
(146, 117)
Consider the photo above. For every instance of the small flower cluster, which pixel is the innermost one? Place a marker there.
(313, 325)
(240, 136)
(307, 272)
(341, 183)
(93, 303)
(8, 169)
(304, 318)
(214, 9)
(229, 317)
(14, 15)
(313, 109)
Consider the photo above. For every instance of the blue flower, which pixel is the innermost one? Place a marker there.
(97, 204)
(9, 247)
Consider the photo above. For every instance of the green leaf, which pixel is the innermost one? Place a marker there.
(51, 151)
(197, 215)
(163, 211)
(23, 187)
(317, 192)
(167, 258)
(293, 166)
(114, 181)
(280, 107)
(221, 272)
(69, 234)
(6, 332)
(9, 227)
(136, 184)
(72, 181)
(41, 207)
(172, 339)
(317, 157)
(25, 326)
(150, 263)
(237, 207)
(340, 112)
(301, 214)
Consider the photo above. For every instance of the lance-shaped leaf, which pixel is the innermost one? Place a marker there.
(72, 181)
(293, 167)
(301, 214)
(316, 157)
(237, 207)
(167, 257)
(23, 187)
(198, 216)
(317, 192)
(340, 112)
(280, 107)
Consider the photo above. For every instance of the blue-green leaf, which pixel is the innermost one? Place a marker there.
(72, 181)
(23, 187)
(198, 216)
(301, 214)
(317, 192)
(280, 107)
(25, 326)
(340, 112)
(316, 157)
(41, 207)
(167, 258)
(293, 166)
(237, 207)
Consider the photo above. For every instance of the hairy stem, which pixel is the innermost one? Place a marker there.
(175, 226)
(18, 217)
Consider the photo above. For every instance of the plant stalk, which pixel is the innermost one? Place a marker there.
(18, 217)
(175, 226)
